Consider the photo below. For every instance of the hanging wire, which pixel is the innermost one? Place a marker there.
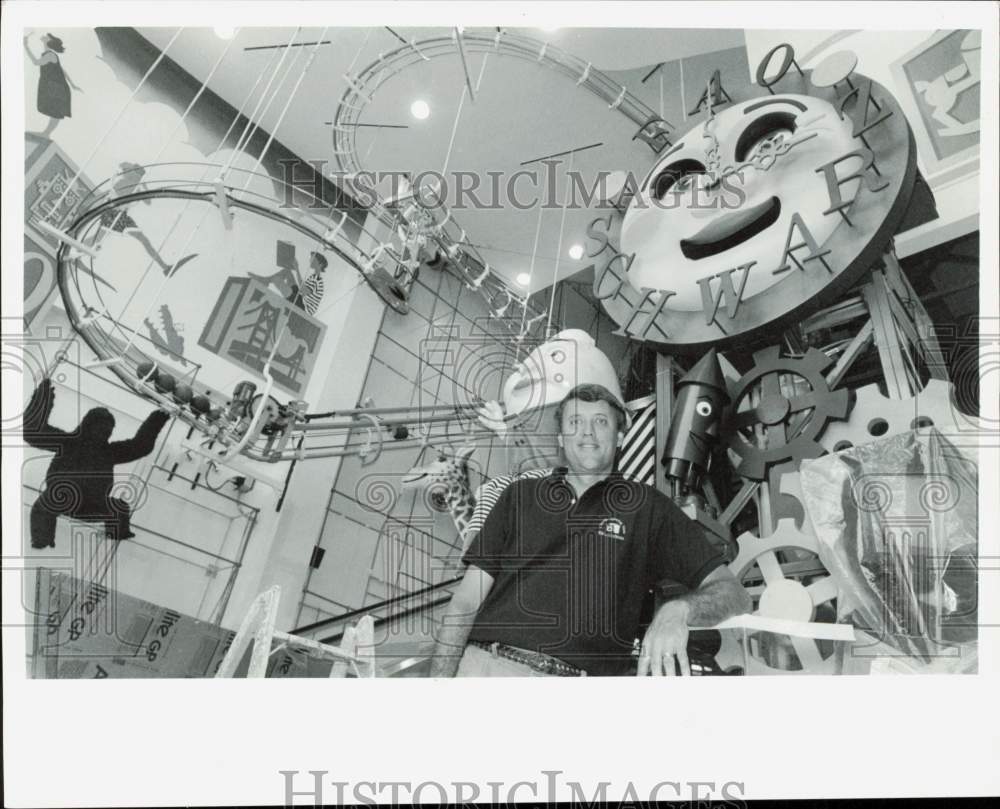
(531, 268)
(280, 334)
(250, 125)
(180, 215)
(482, 70)
(454, 129)
(180, 121)
(201, 90)
(222, 142)
(562, 222)
(284, 111)
(354, 61)
(114, 122)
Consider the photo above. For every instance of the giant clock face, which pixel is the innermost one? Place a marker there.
(686, 225)
(765, 209)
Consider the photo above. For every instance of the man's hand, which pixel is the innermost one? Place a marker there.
(665, 642)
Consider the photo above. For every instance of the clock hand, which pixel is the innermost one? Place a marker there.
(711, 154)
(766, 157)
(765, 160)
(712, 159)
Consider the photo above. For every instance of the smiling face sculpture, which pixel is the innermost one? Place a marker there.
(533, 391)
(554, 368)
(725, 193)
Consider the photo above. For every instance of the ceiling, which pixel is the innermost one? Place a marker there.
(522, 111)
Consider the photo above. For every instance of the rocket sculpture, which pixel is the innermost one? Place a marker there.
(700, 401)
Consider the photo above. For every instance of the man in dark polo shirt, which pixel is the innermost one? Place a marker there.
(557, 575)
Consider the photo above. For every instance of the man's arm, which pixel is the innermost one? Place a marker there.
(719, 596)
(453, 631)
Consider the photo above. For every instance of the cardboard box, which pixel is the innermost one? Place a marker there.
(90, 631)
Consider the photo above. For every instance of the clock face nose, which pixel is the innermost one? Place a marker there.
(691, 220)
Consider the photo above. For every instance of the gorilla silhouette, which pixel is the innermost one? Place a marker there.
(79, 479)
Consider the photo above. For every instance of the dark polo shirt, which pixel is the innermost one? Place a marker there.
(570, 573)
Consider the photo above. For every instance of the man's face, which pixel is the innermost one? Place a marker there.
(589, 436)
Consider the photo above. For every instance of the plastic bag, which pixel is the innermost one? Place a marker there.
(896, 523)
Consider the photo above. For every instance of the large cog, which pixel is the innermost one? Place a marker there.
(780, 597)
(876, 416)
(774, 410)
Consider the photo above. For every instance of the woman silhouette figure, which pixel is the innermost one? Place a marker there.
(54, 96)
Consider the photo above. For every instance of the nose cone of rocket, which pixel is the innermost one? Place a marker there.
(706, 372)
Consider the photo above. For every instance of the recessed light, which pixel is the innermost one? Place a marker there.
(419, 109)
(224, 33)
(523, 279)
(576, 252)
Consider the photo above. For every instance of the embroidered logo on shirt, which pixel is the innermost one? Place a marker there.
(611, 528)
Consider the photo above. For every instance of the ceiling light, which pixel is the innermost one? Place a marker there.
(420, 109)
(224, 33)
(576, 252)
(523, 279)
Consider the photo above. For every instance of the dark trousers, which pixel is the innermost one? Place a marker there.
(44, 513)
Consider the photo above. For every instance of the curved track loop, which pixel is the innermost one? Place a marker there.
(354, 100)
(257, 438)
(449, 236)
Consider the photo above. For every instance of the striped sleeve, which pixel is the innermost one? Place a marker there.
(489, 493)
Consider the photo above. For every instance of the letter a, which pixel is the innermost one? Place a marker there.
(807, 241)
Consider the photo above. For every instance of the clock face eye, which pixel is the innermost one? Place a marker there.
(685, 231)
(677, 177)
(764, 135)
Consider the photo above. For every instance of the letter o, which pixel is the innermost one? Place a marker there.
(786, 63)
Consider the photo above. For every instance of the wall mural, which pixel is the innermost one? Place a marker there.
(941, 78)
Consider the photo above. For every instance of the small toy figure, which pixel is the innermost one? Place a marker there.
(694, 428)
(129, 180)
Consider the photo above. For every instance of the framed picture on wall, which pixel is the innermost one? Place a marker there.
(939, 89)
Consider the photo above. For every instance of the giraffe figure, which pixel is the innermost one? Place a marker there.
(451, 477)
(448, 477)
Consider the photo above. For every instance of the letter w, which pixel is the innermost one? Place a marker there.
(726, 290)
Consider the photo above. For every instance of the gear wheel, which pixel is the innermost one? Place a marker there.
(774, 410)
(780, 597)
(876, 416)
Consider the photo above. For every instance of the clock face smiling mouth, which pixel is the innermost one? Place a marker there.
(731, 230)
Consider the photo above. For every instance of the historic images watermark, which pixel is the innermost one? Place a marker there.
(524, 189)
(547, 787)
